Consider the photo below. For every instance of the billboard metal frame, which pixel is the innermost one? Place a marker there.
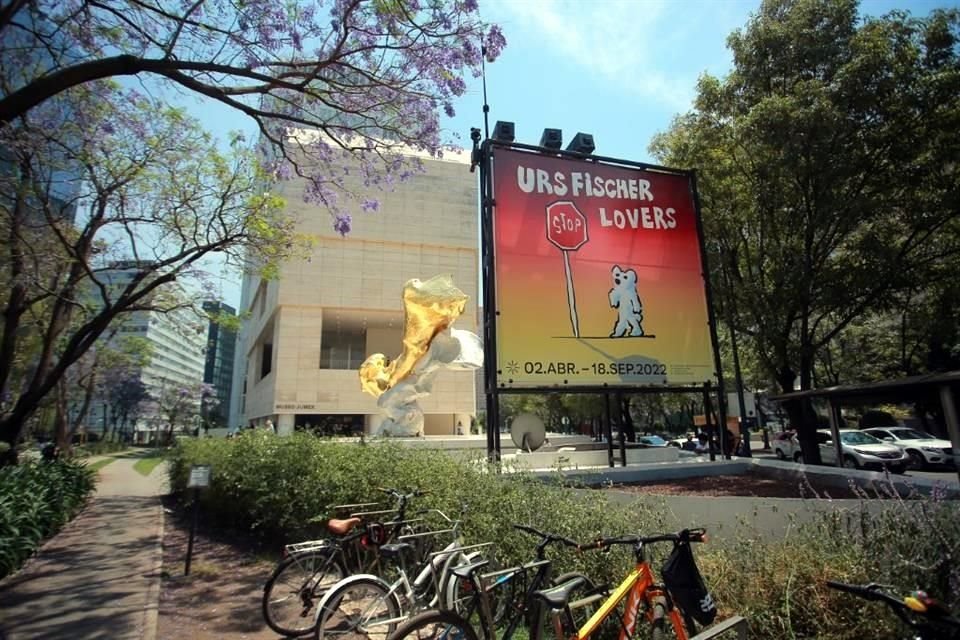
(490, 311)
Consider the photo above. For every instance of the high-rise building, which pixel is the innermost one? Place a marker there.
(177, 341)
(218, 371)
(307, 332)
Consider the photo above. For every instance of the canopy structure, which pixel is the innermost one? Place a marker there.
(927, 386)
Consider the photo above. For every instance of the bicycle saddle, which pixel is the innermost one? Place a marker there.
(342, 527)
(394, 549)
(465, 570)
(558, 596)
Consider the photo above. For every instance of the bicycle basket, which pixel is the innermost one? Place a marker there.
(686, 586)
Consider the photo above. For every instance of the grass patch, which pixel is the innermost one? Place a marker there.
(145, 466)
(100, 464)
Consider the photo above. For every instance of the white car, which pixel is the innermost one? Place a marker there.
(923, 449)
(862, 450)
(785, 445)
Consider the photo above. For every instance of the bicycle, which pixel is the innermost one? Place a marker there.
(308, 569)
(367, 605)
(455, 622)
(511, 592)
(638, 588)
(930, 619)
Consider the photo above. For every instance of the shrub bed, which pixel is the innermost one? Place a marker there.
(36, 500)
(275, 487)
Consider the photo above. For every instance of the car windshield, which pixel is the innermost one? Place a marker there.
(910, 434)
(857, 437)
(652, 440)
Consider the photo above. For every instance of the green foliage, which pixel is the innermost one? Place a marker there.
(101, 447)
(36, 500)
(275, 486)
(100, 464)
(828, 178)
(145, 466)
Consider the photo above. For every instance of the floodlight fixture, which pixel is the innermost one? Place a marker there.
(503, 131)
(551, 139)
(582, 143)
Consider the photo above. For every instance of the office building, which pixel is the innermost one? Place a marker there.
(218, 370)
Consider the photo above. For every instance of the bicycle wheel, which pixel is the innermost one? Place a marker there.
(296, 586)
(435, 625)
(458, 592)
(358, 608)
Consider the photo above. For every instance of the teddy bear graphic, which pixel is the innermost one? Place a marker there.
(624, 298)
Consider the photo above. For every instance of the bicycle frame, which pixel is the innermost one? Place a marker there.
(638, 587)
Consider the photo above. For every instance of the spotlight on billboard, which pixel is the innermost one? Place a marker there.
(503, 131)
(551, 139)
(582, 143)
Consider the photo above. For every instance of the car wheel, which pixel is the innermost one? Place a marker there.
(849, 462)
(780, 454)
(917, 461)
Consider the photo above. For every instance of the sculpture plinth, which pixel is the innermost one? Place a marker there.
(430, 344)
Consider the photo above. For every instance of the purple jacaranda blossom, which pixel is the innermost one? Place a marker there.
(342, 223)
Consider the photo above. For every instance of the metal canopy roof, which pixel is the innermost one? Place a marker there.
(900, 386)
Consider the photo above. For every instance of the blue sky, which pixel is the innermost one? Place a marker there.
(619, 69)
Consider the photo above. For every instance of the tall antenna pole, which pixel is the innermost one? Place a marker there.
(486, 107)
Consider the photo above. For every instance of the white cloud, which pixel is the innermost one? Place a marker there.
(630, 42)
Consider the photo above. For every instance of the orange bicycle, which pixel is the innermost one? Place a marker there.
(682, 599)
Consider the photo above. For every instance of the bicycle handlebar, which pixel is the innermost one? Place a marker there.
(686, 535)
(547, 538)
(873, 591)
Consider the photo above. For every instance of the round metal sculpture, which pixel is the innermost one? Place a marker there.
(429, 344)
(527, 432)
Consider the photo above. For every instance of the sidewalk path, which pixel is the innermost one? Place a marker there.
(100, 576)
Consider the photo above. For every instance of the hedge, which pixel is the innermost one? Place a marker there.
(36, 500)
(279, 488)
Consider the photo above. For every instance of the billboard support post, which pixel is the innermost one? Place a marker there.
(608, 427)
(490, 363)
(708, 416)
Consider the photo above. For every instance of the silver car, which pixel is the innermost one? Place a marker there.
(924, 450)
(862, 450)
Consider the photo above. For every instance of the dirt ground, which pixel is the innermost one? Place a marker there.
(747, 485)
(220, 599)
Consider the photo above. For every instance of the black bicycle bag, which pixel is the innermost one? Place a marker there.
(685, 584)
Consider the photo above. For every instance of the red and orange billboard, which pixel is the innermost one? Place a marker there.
(598, 275)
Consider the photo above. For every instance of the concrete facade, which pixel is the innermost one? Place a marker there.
(307, 332)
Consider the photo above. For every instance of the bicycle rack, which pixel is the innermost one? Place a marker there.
(736, 624)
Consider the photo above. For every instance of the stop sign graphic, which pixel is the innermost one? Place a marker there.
(566, 226)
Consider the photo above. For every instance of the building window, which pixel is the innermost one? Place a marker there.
(342, 348)
(266, 359)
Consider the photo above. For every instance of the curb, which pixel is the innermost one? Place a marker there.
(151, 610)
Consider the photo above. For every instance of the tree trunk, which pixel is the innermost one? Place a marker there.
(626, 420)
(802, 418)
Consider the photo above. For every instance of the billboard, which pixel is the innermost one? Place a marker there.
(598, 275)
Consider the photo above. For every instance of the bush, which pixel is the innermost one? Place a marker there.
(36, 500)
(275, 486)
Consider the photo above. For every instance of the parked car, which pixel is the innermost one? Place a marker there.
(652, 441)
(862, 450)
(786, 445)
(923, 449)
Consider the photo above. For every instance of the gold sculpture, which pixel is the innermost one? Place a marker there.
(429, 308)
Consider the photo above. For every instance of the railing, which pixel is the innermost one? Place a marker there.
(736, 624)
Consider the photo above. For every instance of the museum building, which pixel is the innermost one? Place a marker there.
(306, 333)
